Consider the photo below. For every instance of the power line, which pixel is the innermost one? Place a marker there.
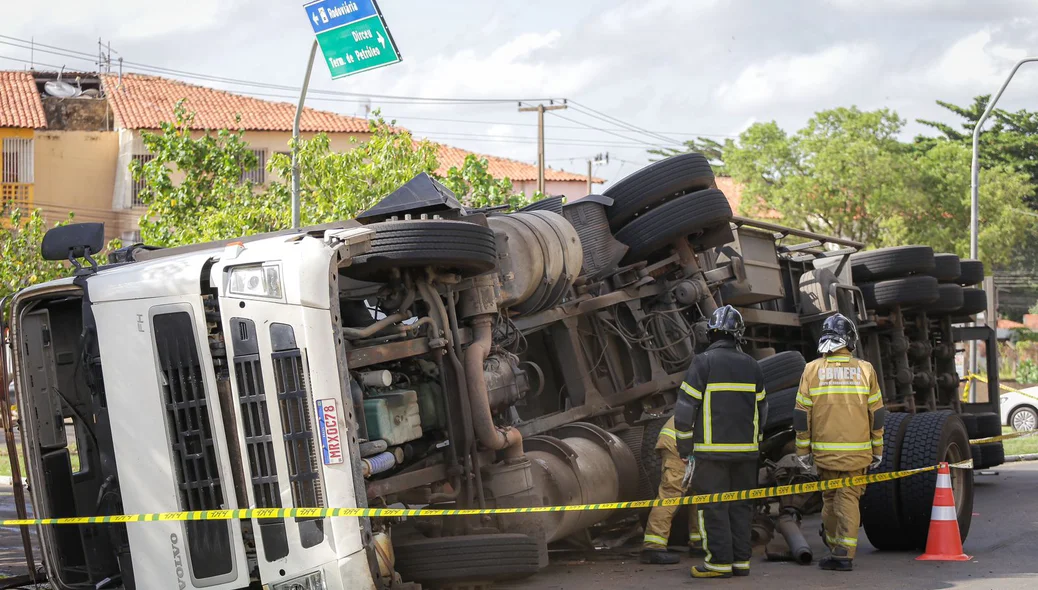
(645, 143)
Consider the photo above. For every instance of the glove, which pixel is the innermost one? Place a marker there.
(690, 468)
(876, 461)
(806, 462)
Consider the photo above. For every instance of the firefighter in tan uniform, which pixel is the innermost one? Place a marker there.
(839, 422)
(672, 485)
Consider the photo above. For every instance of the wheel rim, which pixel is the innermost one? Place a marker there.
(956, 454)
(1024, 420)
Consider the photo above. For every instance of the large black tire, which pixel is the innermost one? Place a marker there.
(448, 561)
(988, 424)
(781, 404)
(466, 248)
(949, 300)
(974, 301)
(970, 421)
(933, 437)
(991, 455)
(906, 292)
(881, 504)
(889, 263)
(656, 183)
(686, 216)
(782, 370)
(946, 267)
(971, 272)
(634, 438)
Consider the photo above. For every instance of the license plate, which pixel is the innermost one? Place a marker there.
(331, 435)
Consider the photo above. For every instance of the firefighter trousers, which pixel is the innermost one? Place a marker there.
(725, 526)
(840, 516)
(657, 529)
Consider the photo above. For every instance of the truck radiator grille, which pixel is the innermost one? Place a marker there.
(191, 440)
(297, 431)
(259, 442)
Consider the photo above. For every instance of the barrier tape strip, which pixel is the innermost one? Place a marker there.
(969, 379)
(1001, 437)
(268, 513)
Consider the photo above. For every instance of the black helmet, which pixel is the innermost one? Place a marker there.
(726, 320)
(837, 332)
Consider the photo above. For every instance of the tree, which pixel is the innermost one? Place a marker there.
(207, 199)
(713, 150)
(476, 187)
(21, 264)
(842, 174)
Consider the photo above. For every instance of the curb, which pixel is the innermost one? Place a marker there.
(1017, 458)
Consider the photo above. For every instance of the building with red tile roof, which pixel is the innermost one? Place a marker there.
(20, 105)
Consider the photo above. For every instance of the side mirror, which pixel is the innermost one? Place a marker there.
(69, 242)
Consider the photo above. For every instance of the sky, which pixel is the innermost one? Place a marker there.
(635, 74)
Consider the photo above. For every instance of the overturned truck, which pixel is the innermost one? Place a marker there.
(429, 355)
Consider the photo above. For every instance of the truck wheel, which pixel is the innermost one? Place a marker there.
(684, 216)
(934, 437)
(889, 263)
(881, 504)
(467, 248)
(782, 370)
(949, 299)
(634, 438)
(971, 272)
(656, 183)
(992, 455)
(974, 301)
(988, 424)
(781, 404)
(909, 291)
(472, 558)
(946, 268)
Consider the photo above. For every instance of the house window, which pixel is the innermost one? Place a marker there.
(139, 183)
(257, 175)
(16, 172)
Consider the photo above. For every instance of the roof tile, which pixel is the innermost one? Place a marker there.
(144, 102)
(514, 170)
(20, 104)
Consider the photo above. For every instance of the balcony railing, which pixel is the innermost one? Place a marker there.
(16, 195)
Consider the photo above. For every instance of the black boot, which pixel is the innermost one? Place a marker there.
(696, 550)
(836, 564)
(659, 557)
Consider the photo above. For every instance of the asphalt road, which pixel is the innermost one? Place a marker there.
(1003, 540)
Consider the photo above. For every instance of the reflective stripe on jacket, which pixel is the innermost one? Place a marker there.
(721, 405)
(839, 412)
(668, 440)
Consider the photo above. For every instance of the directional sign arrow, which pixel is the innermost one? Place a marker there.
(381, 39)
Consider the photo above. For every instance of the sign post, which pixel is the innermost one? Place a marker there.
(353, 38)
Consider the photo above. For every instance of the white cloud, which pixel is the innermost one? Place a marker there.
(797, 77)
(627, 14)
(124, 19)
(973, 62)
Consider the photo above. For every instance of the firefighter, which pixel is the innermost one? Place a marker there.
(717, 423)
(839, 428)
(673, 484)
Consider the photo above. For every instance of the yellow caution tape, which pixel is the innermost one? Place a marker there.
(969, 379)
(1001, 437)
(268, 513)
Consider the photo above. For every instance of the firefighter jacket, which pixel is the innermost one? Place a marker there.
(721, 405)
(839, 412)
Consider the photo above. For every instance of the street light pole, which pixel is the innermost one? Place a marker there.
(295, 137)
(975, 190)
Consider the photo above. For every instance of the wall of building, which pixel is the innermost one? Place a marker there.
(75, 171)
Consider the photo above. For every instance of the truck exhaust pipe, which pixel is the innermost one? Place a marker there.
(788, 525)
(508, 440)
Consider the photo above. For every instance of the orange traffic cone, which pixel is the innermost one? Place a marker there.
(943, 543)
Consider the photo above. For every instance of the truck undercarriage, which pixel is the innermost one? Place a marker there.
(436, 356)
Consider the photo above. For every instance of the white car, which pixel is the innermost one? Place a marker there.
(1020, 409)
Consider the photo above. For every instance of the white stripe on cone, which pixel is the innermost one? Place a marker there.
(943, 513)
(944, 480)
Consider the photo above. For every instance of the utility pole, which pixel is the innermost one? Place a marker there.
(540, 110)
(589, 177)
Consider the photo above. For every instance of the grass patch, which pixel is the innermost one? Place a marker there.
(1020, 446)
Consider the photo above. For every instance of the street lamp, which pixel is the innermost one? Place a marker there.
(975, 188)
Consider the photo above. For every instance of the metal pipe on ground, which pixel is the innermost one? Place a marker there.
(788, 526)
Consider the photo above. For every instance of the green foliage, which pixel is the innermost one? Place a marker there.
(476, 187)
(193, 187)
(713, 150)
(1034, 308)
(21, 265)
(842, 174)
(1027, 372)
(339, 185)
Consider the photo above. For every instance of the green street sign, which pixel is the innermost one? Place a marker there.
(352, 35)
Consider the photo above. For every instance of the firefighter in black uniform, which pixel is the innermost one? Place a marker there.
(718, 419)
